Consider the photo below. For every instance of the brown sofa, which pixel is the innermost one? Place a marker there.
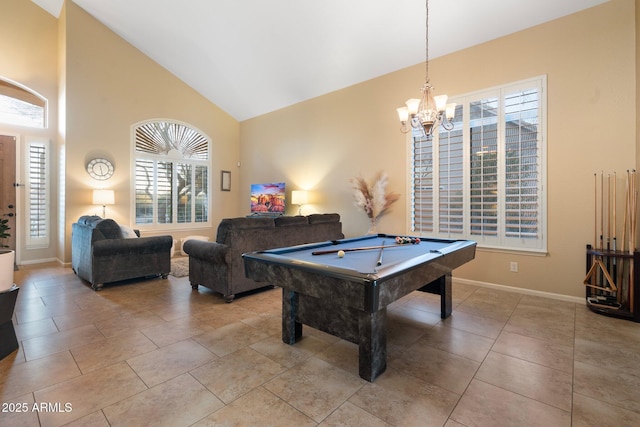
(219, 265)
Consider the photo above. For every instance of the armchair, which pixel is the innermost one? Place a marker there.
(101, 254)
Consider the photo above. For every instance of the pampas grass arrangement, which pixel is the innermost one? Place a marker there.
(373, 199)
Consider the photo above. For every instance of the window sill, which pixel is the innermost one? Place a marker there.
(527, 252)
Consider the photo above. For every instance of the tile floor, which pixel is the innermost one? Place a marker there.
(154, 352)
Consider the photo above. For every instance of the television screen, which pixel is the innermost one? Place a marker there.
(267, 198)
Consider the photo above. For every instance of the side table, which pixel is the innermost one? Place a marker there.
(8, 339)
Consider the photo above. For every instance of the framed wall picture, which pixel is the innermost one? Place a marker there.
(225, 180)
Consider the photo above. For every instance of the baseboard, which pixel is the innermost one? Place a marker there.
(551, 295)
(42, 261)
(542, 294)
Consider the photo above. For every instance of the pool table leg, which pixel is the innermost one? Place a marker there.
(291, 330)
(441, 286)
(446, 304)
(372, 347)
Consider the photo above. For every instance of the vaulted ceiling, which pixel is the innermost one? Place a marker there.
(251, 57)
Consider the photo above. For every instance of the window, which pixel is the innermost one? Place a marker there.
(38, 194)
(484, 179)
(171, 175)
(20, 106)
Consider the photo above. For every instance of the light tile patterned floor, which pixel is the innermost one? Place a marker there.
(155, 352)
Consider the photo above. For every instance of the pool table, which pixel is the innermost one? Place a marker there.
(346, 294)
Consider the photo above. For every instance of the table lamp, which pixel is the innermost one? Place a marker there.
(299, 197)
(104, 198)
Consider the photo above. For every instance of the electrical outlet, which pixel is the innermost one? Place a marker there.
(514, 267)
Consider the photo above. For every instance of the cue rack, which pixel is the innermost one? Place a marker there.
(613, 263)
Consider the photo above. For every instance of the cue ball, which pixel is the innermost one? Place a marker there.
(340, 254)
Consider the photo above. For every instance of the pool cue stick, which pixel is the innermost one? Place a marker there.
(632, 216)
(602, 279)
(609, 259)
(629, 209)
(632, 225)
(601, 210)
(608, 213)
(632, 238)
(614, 270)
(615, 206)
(625, 235)
(617, 276)
(626, 211)
(595, 232)
(379, 262)
(588, 278)
(595, 210)
(625, 264)
(364, 248)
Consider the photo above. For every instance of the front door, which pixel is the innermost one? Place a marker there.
(7, 187)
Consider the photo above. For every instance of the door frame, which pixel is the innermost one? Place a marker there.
(19, 194)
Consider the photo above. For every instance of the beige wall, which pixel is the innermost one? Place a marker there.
(589, 60)
(101, 85)
(110, 86)
(28, 56)
(104, 85)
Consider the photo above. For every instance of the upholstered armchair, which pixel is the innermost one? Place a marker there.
(104, 252)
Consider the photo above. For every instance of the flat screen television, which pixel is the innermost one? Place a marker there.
(267, 199)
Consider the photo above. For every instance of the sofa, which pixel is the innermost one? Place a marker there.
(103, 252)
(219, 265)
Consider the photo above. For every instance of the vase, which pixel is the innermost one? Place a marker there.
(372, 226)
(7, 259)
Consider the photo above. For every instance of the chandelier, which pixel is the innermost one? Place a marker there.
(429, 111)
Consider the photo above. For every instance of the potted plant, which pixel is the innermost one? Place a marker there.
(7, 257)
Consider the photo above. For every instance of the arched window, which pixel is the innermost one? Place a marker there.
(171, 174)
(21, 106)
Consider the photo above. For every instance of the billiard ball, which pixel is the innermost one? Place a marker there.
(340, 254)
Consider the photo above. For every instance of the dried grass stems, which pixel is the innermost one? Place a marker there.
(373, 199)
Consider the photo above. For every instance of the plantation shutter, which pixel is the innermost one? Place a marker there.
(38, 195)
(184, 193)
(422, 183)
(522, 165)
(483, 179)
(164, 192)
(145, 190)
(484, 197)
(451, 179)
(201, 187)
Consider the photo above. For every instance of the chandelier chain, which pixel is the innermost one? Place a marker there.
(426, 63)
(430, 111)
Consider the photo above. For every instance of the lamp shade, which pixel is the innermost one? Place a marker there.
(441, 102)
(451, 111)
(103, 197)
(412, 105)
(403, 114)
(299, 197)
